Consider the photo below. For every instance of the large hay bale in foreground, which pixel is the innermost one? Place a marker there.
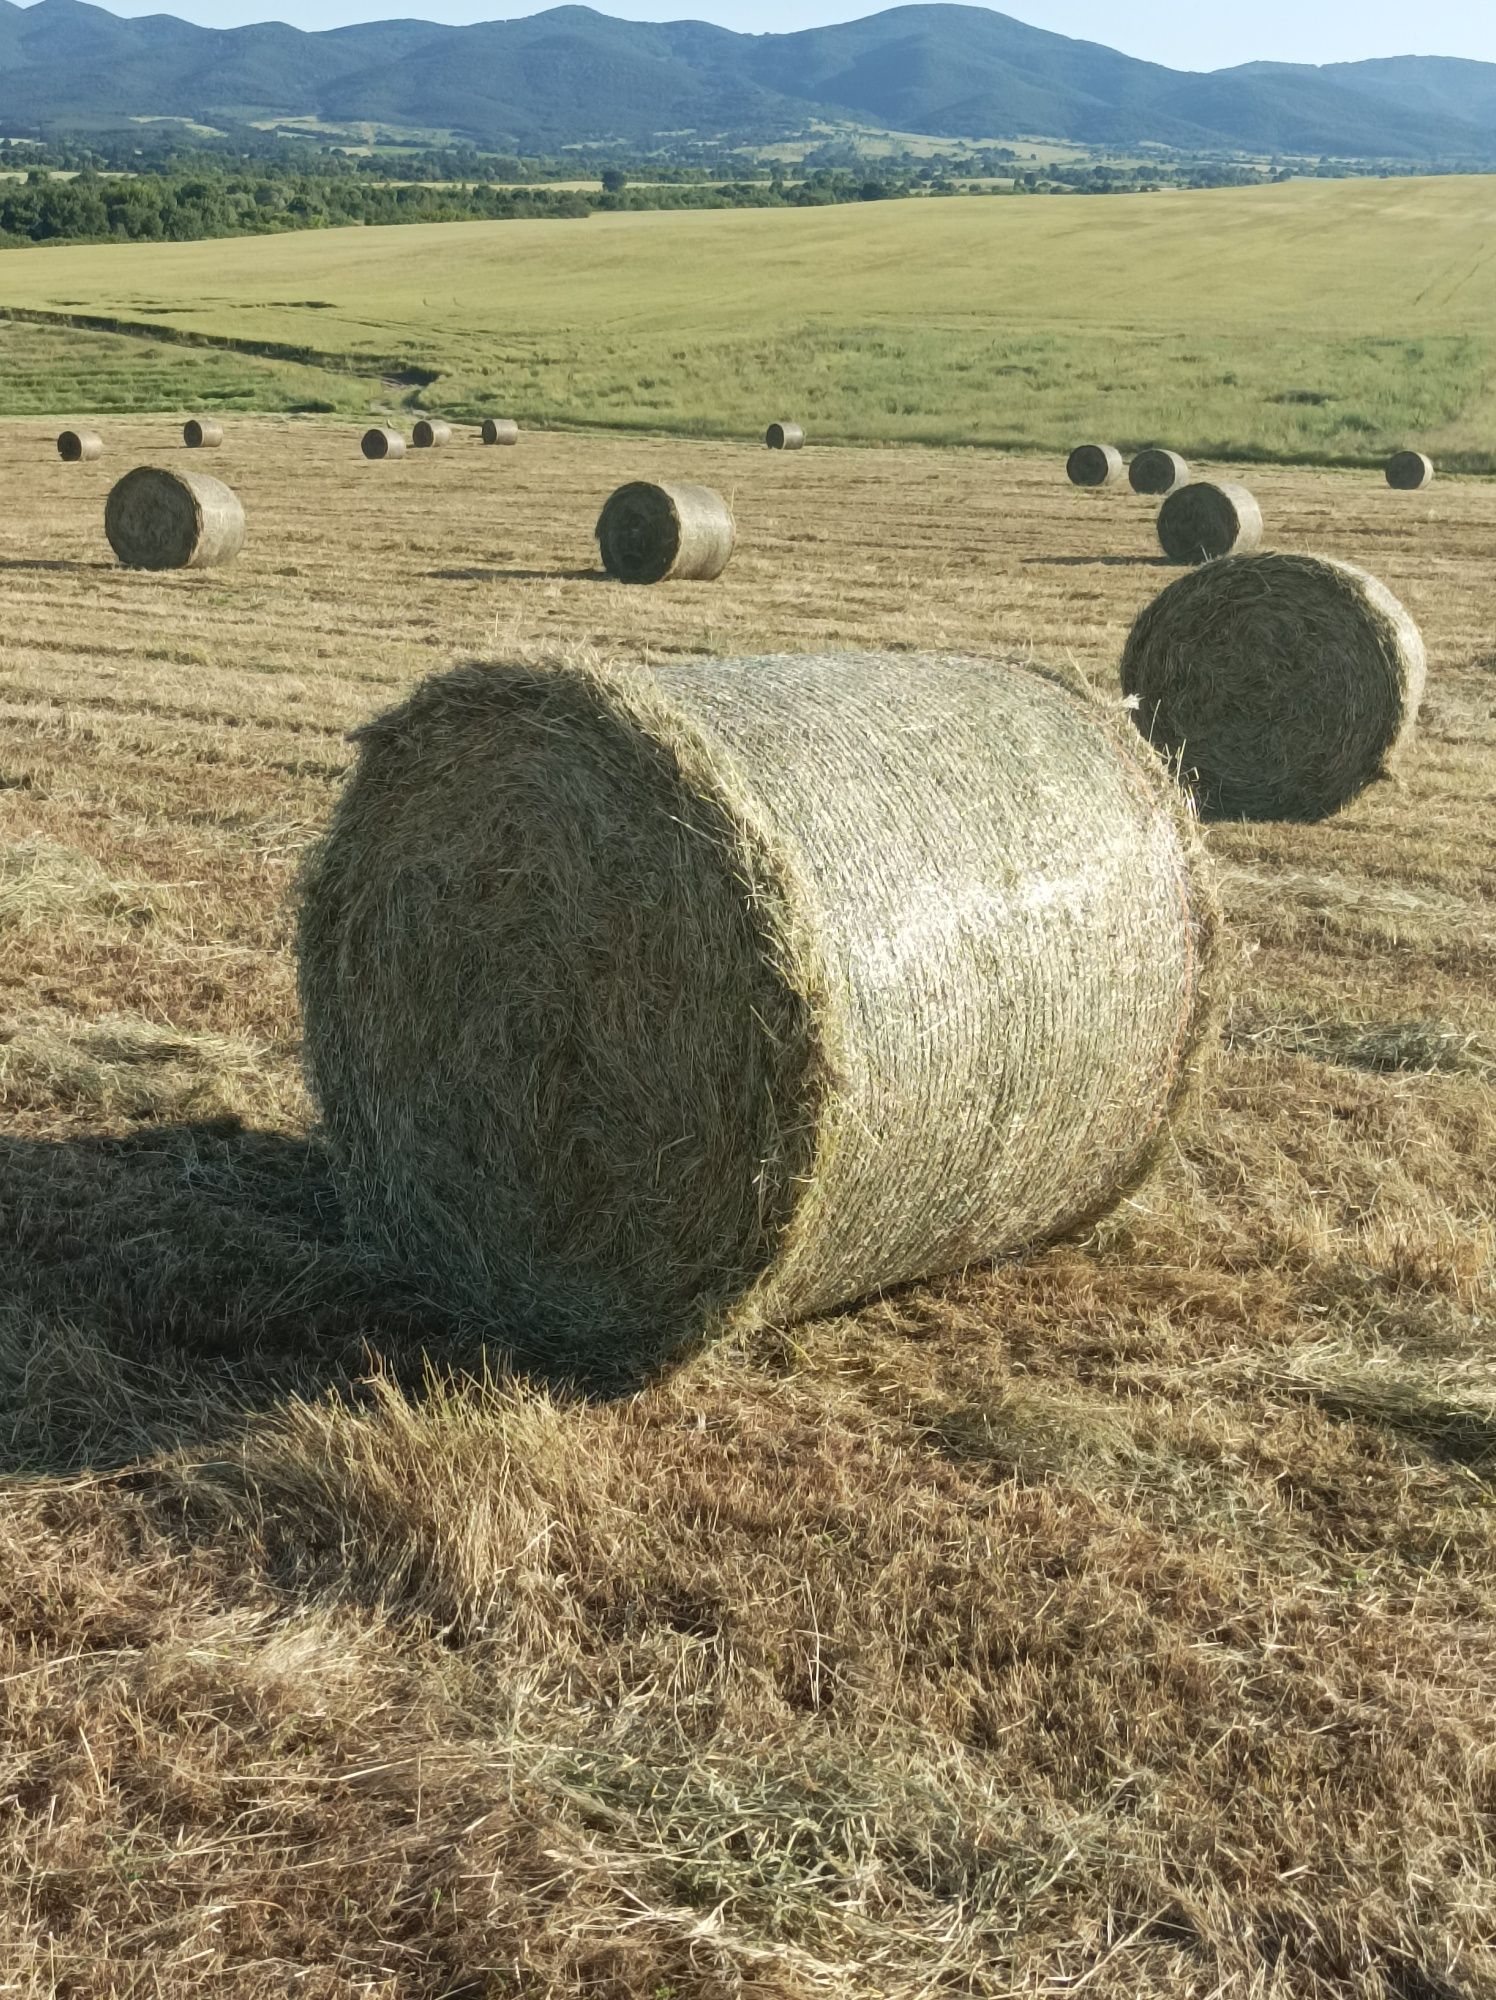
(500, 430)
(1281, 684)
(1202, 520)
(382, 444)
(639, 1004)
(785, 437)
(1157, 472)
(73, 446)
(650, 534)
(1409, 471)
(1094, 465)
(429, 432)
(173, 520)
(202, 433)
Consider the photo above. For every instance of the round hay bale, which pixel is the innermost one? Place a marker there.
(1280, 685)
(429, 432)
(75, 445)
(382, 444)
(785, 437)
(500, 430)
(202, 434)
(647, 534)
(1409, 471)
(1201, 521)
(173, 520)
(1094, 465)
(639, 1004)
(1157, 472)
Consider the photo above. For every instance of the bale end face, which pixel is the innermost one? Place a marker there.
(75, 446)
(1157, 472)
(1094, 465)
(382, 444)
(653, 534)
(1281, 686)
(500, 430)
(1202, 521)
(785, 437)
(157, 519)
(1409, 471)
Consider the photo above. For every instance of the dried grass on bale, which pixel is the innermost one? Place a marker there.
(1408, 471)
(431, 431)
(642, 1004)
(1283, 685)
(1203, 520)
(1157, 472)
(649, 534)
(173, 520)
(75, 445)
(785, 437)
(500, 430)
(382, 444)
(1094, 465)
(202, 433)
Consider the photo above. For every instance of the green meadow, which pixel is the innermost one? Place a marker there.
(1316, 321)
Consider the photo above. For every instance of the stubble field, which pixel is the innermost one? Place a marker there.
(1120, 1621)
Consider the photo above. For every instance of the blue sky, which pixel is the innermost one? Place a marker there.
(1186, 34)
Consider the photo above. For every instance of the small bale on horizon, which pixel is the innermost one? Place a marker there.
(381, 443)
(500, 430)
(75, 446)
(785, 437)
(641, 1005)
(1157, 472)
(157, 519)
(1280, 686)
(1206, 519)
(1094, 465)
(1409, 471)
(654, 534)
(430, 432)
(202, 434)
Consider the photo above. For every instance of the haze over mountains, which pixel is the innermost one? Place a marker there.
(571, 75)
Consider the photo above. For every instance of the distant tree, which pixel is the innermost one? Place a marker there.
(615, 180)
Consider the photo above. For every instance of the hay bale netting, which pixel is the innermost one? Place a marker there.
(1202, 520)
(173, 520)
(648, 534)
(1094, 465)
(75, 445)
(1157, 472)
(382, 444)
(643, 1004)
(1409, 471)
(1281, 684)
(785, 437)
(202, 434)
(430, 431)
(500, 430)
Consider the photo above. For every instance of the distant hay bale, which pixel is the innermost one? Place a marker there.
(1201, 521)
(202, 434)
(382, 444)
(500, 430)
(1157, 472)
(639, 1004)
(785, 437)
(173, 520)
(430, 431)
(1094, 465)
(1408, 471)
(1281, 684)
(648, 534)
(75, 445)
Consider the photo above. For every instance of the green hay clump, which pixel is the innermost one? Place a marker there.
(1200, 521)
(655, 534)
(644, 1004)
(157, 519)
(1281, 685)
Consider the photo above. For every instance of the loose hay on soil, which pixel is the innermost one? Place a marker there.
(639, 1004)
(1158, 472)
(157, 519)
(1095, 465)
(1282, 685)
(1202, 520)
(651, 534)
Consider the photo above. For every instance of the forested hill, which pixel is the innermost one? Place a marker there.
(571, 75)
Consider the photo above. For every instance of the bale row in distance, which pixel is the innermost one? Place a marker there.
(157, 519)
(639, 1004)
(1279, 685)
(649, 534)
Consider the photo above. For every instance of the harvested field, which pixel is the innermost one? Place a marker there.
(1122, 1620)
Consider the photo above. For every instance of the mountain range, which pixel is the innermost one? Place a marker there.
(572, 75)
